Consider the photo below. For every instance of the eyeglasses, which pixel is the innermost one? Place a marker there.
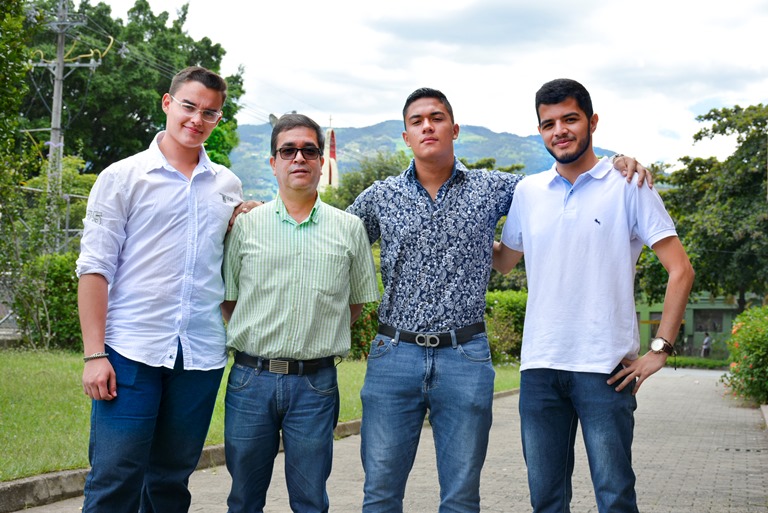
(208, 115)
(309, 152)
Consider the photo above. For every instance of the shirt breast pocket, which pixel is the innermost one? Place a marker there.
(329, 273)
(217, 218)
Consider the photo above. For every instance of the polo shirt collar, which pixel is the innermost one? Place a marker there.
(598, 172)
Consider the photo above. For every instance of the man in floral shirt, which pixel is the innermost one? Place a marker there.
(436, 222)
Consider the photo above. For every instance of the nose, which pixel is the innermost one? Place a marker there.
(560, 127)
(197, 117)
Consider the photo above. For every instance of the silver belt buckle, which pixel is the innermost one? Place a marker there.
(278, 366)
(427, 340)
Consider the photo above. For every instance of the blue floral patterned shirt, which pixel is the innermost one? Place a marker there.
(435, 254)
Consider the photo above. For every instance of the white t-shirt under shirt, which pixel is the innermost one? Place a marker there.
(581, 245)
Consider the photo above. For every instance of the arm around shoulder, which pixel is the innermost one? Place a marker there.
(505, 258)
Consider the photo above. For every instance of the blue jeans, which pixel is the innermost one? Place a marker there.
(552, 403)
(147, 441)
(259, 404)
(402, 383)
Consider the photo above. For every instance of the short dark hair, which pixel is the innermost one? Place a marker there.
(199, 74)
(291, 121)
(426, 92)
(559, 90)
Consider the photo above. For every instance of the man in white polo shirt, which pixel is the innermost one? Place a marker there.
(581, 230)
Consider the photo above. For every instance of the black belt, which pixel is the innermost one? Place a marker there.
(437, 339)
(284, 366)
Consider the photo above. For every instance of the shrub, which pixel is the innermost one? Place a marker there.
(504, 318)
(748, 373)
(46, 303)
(363, 331)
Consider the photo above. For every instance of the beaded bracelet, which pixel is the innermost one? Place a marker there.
(94, 356)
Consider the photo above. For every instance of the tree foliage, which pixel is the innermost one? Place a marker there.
(490, 163)
(721, 207)
(114, 110)
(351, 184)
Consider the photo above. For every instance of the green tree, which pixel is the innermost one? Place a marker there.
(490, 163)
(113, 111)
(351, 184)
(16, 30)
(720, 207)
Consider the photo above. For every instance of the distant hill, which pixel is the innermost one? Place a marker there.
(250, 160)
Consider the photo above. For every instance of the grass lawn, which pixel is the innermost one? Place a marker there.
(44, 415)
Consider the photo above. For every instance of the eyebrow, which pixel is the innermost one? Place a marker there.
(291, 144)
(433, 113)
(188, 102)
(566, 115)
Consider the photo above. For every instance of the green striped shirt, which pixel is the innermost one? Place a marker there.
(293, 282)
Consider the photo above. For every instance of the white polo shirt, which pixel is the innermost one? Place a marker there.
(581, 245)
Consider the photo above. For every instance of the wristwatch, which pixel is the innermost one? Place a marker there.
(661, 345)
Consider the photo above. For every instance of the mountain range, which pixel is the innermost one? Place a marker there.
(250, 160)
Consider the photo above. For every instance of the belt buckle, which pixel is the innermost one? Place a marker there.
(278, 366)
(427, 340)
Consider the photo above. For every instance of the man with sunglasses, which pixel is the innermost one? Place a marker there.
(297, 273)
(149, 299)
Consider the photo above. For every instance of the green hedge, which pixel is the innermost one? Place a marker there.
(46, 303)
(504, 318)
(748, 373)
(505, 314)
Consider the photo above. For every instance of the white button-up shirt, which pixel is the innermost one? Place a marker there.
(158, 239)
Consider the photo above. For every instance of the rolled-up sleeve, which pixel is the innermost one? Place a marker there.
(103, 227)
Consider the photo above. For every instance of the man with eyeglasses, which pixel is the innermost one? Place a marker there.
(149, 298)
(436, 223)
(297, 273)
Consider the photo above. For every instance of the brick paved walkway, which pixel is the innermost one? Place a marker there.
(712, 457)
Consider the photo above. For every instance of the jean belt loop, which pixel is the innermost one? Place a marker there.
(397, 337)
(260, 366)
(453, 339)
(301, 362)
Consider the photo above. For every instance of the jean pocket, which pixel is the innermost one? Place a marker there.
(323, 382)
(476, 349)
(240, 377)
(380, 346)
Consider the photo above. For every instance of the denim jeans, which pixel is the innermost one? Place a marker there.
(259, 404)
(147, 441)
(552, 403)
(402, 383)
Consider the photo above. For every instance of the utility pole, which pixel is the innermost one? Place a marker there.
(60, 26)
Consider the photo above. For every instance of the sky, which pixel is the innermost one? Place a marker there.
(651, 67)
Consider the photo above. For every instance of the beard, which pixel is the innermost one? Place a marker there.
(567, 158)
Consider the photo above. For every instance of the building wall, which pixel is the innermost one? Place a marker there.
(704, 314)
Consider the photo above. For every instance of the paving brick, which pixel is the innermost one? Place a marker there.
(711, 457)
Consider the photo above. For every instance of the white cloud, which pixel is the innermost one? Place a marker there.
(651, 67)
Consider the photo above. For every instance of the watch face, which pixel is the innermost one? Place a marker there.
(657, 344)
